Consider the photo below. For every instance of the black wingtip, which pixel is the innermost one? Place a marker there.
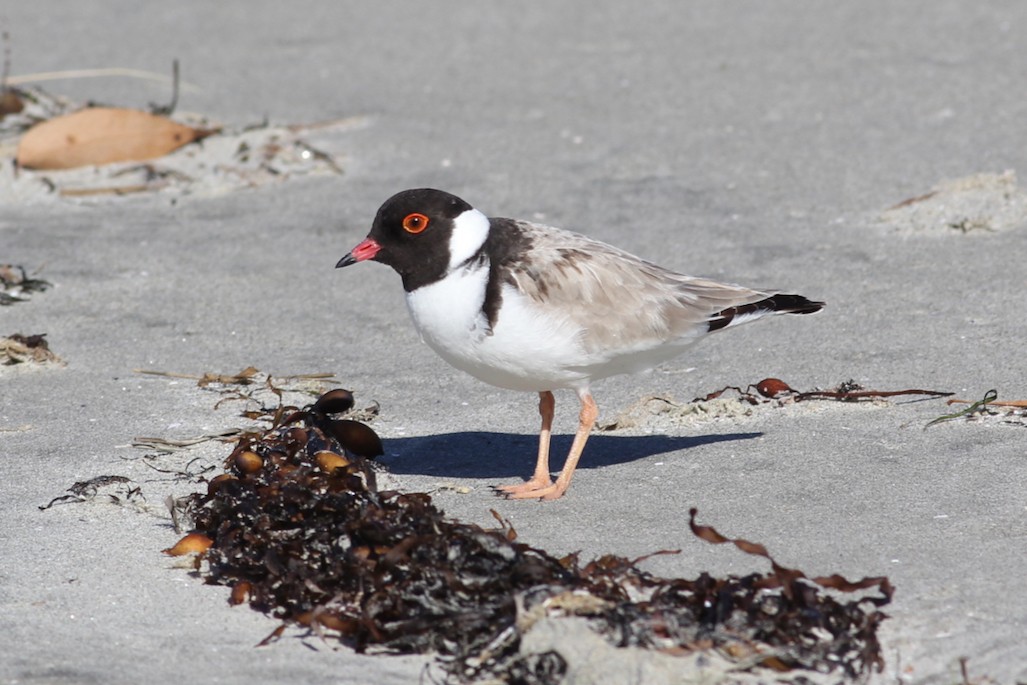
(790, 304)
(775, 304)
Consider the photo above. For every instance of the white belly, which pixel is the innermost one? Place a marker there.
(527, 349)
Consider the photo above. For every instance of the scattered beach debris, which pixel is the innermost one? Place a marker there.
(769, 391)
(193, 470)
(974, 408)
(119, 490)
(991, 399)
(248, 376)
(244, 377)
(982, 203)
(300, 530)
(988, 409)
(18, 286)
(26, 349)
(254, 387)
(849, 391)
(169, 445)
(72, 149)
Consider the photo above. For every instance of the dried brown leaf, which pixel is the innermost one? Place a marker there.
(102, 135)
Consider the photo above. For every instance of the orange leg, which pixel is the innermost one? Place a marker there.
(541, 479)
(586, 419)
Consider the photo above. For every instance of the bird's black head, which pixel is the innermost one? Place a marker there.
(413, 233)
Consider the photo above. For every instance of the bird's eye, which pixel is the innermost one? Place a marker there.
(415, 223)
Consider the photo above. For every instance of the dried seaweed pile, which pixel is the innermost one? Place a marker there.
(19, 349)
(18, 286)
(298, 528)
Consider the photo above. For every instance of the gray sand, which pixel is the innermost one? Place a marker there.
(753, 142)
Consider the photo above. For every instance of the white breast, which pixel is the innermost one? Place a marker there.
(528, 349)
(448, 314)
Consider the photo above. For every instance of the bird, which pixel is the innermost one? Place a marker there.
(530, 307)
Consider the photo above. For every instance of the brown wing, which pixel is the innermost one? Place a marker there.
(631, 303)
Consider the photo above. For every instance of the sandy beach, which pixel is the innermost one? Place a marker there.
(768, 144)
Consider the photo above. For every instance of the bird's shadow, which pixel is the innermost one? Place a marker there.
(483, 454)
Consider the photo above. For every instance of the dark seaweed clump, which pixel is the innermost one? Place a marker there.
(300, 531)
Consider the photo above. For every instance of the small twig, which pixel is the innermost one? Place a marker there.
(181, 473)
(167, 109)
(5, 74)
(112, 190)
(167, 445)
(194, 377)
(997, 403)
(95, 73)
(343, 122)
(169, 374)
(913, 200)
(309, 376)
(989, 397)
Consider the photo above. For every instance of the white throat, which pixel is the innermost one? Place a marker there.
(470, 229)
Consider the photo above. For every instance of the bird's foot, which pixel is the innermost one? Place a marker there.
(536, 483)
(533, 489)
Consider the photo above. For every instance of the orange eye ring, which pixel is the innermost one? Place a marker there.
(415, 223)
